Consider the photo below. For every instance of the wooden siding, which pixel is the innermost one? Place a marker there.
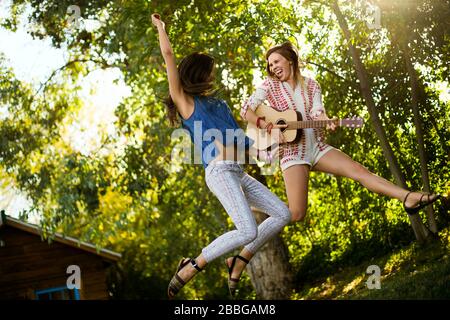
(28, 264)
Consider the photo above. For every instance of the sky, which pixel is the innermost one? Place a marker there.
(33, 60)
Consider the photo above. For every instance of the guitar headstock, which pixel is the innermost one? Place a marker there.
(353, 122)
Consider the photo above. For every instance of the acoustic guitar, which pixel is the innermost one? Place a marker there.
(295, 123)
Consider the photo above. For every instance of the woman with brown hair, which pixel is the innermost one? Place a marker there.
(191, 97)
(286, 88)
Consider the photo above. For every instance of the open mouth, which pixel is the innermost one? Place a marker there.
(279, 73)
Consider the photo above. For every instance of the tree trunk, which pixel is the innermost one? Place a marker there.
(415, 93)
(420, 231)
(269, 270)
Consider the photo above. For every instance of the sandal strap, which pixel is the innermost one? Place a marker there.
(230, 268)
(180, 280)
(406, 197)
(183, 263)
(233, 262)
(243, 259)
(176, 284)
(233, 282)
(195, 265)
(428, 201)
(421, 202)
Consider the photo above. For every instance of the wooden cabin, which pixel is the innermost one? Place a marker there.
(64, 269)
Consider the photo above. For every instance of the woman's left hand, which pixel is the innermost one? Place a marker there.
(156, 20)
(331, 126)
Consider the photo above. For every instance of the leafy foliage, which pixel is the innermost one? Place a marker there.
(135, 201)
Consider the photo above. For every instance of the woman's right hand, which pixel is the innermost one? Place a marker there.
(270, 126)
(156, 20)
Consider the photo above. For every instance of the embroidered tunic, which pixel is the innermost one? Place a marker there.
(307, 101)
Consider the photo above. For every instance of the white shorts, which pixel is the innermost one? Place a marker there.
(308, 151)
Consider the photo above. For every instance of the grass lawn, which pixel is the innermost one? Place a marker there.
(413, 272)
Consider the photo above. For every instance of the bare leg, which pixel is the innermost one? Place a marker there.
(338, 163)
(296, 183)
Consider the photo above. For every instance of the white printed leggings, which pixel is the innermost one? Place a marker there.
(237, 191)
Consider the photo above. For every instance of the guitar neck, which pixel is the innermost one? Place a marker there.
(311, 124)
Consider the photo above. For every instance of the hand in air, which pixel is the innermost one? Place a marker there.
(156, 20)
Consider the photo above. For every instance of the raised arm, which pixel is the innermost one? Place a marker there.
(184, 102)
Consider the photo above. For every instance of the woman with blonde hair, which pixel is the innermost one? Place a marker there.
(285, 88)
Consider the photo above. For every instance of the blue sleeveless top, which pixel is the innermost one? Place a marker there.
(212, 119)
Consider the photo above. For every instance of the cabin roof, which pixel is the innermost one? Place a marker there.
(6, 220)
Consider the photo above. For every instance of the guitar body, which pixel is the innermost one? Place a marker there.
(262, 139)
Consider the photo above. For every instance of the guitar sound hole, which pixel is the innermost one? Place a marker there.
(281, 122)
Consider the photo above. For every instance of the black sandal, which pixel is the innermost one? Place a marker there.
(176, 283)
(422, 204)
(233, 282)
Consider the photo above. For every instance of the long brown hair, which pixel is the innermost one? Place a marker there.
(197, 78)
(290, 53)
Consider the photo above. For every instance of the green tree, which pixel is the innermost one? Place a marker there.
(134, 200)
